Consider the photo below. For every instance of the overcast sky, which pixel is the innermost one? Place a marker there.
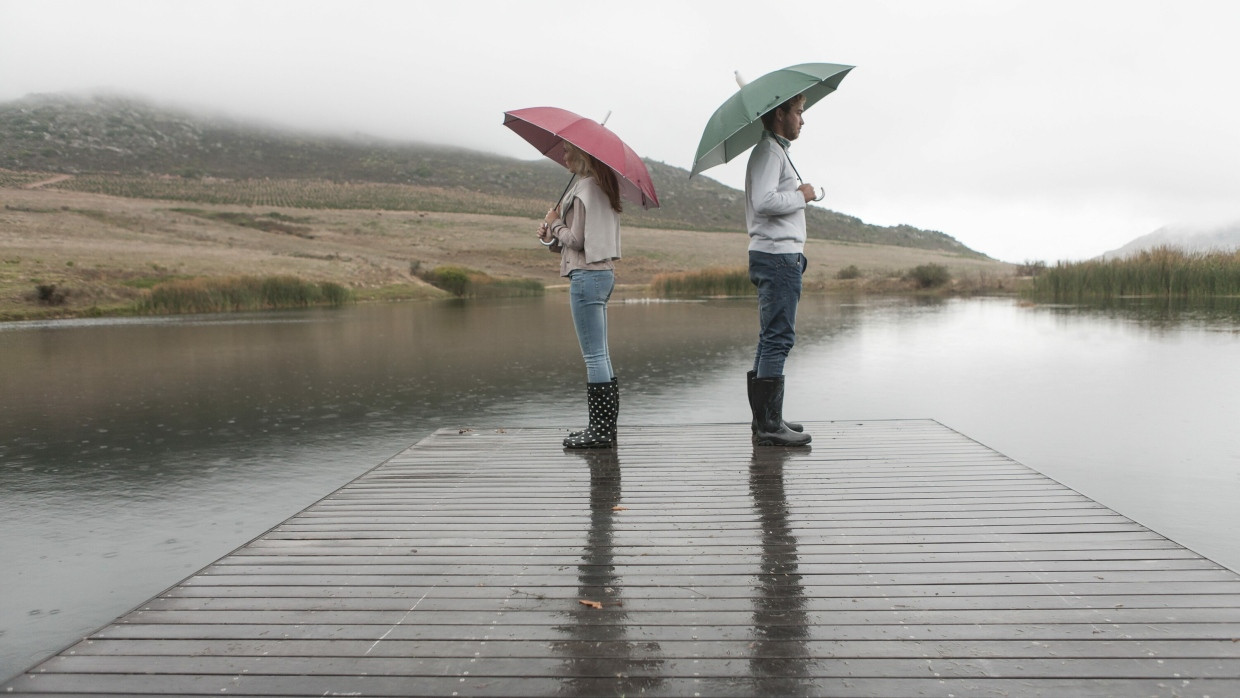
(1027, 130)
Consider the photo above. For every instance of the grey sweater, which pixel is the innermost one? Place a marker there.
(774, 208)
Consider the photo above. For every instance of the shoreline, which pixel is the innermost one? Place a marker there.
(96, 255)
(623, 292)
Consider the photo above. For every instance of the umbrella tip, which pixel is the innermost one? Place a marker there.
(740, 79)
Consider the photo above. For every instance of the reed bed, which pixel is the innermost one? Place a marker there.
(716, 281)
(241, 293)
(1162, 272)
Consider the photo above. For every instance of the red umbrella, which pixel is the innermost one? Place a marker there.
(546, 128)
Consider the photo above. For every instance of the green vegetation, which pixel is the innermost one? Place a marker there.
(1031, 268)
(296, 193)
(20, 179)
(930, 275)
(849, 272)
(48, 294)
(1162, 272)
(204, 295)
(470, 283)
(716, 281)
(935, 279)
(270, 223)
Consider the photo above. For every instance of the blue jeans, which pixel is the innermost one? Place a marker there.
(588, 293)
(778, 278)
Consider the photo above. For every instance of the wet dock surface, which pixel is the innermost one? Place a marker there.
(893, 558)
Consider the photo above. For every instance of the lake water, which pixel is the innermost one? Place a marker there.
(133, 453)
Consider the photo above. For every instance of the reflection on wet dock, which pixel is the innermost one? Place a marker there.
(894, 558)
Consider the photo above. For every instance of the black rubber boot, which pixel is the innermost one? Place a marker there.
(614, 382)
(771, 431)
(603, 400)
(753, 406)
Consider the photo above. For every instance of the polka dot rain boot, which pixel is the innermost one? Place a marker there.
(603, 400)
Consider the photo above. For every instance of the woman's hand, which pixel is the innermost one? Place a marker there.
(544, 232)
(553, 214)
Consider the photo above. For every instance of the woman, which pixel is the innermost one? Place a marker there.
(586, 234)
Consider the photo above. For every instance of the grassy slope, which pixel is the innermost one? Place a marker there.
(154, 194)
(116, 135)
(105, 249)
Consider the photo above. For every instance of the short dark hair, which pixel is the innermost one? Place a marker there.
(769, 117)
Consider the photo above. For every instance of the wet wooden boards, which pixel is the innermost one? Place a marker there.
(893, 558)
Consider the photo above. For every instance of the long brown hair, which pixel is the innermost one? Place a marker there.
(586, 165)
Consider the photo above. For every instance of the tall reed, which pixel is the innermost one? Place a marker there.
(240, 293)
(1161, 272)
(716, 281)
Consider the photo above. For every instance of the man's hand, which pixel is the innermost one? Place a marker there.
(807, 190)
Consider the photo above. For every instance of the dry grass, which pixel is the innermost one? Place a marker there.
(104, 252)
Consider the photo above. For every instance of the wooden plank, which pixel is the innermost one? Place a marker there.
(552, 616)
(494, 631)
(873, 649)
(671, 667)
(760, 683)
(1225, 589)
(892, 558)
(239, 602)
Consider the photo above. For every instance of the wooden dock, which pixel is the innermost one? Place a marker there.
(894, 558)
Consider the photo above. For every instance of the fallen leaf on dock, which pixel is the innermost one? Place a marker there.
(591, 604)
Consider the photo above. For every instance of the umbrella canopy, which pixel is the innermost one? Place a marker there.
(736, 126)
(546, 128)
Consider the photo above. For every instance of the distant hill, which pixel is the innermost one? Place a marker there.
(1190, 239)
(109, 134)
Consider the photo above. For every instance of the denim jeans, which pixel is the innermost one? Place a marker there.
(778, 278)
(588, 293)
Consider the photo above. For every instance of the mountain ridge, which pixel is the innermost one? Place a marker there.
(101, 133)
(1190, 239)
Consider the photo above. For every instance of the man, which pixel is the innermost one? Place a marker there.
(775, 216)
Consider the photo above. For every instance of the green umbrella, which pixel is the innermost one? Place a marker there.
(736, 125)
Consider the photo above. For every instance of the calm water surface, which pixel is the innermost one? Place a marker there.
(133, 453)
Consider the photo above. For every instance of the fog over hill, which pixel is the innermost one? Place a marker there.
(119, 134)
(1191, 239)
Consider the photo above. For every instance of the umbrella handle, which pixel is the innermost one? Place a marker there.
(820, 194)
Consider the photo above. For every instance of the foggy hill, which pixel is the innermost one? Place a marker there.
(1191, 239)
(110, 134)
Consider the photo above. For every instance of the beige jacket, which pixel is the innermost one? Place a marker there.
(588, 229)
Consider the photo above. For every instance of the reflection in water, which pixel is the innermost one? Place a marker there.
(599, 649)
(1159, 314)
(781, 630)
(133, 453)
